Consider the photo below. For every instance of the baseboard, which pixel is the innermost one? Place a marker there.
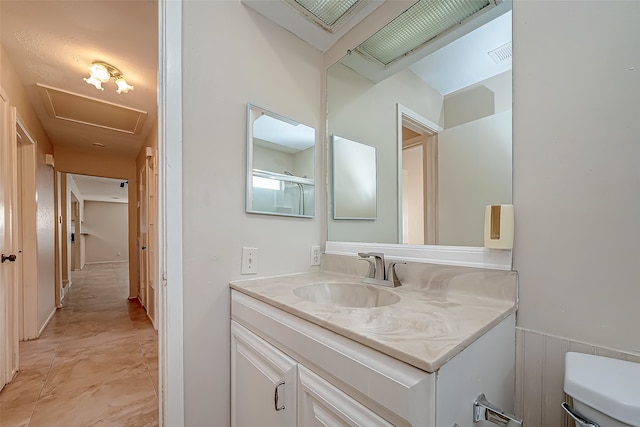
(106, 262)
(153, 323)
(65, 290)
(46, 322)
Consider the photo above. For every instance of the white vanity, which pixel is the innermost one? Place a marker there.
(309, 351)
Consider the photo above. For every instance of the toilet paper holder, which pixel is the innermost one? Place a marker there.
(483, 410)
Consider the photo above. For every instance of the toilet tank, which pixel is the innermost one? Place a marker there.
(604, 389)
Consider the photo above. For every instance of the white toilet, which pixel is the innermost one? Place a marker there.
(605, 391)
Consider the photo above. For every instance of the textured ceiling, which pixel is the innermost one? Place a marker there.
(53, 42)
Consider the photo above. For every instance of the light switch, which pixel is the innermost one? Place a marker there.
(249, 261)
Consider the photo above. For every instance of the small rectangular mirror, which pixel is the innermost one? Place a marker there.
(280, 165)
(354, 180)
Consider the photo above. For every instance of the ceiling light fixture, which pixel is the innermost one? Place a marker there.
(418, 26)
(328, 14)
(101, 72)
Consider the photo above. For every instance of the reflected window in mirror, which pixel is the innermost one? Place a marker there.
(280, 165)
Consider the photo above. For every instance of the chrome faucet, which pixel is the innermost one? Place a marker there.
(378, 274)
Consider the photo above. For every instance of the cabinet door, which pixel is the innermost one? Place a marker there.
(322, 404)
(263, 382)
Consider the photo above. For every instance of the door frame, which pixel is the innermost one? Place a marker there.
(410, 119)
(27, 233)
(143, 219)
(169, 269)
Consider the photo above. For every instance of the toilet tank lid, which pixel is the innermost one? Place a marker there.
(611, 386)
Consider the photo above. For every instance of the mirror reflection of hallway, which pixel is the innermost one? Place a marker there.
(419, 180)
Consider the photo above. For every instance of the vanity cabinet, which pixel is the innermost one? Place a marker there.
(271, 389)
(258, 370)
(330, 380)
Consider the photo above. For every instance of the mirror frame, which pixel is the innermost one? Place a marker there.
(292, 179)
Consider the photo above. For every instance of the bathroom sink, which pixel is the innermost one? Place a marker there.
(347, 294)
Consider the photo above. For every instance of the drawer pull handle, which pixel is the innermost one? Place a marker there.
(275, 397)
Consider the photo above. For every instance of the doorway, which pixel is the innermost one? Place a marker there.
(418, 178)
(169, 201)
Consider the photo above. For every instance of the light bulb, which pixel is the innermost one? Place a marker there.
(93, 81)
(99, 72)
(123, 86)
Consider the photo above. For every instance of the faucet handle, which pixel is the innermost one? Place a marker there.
(372, 267)
(378, 258)
(391, 274)
(371, 254)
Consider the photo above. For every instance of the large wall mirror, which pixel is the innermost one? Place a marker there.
(280, 165)
(441, 126)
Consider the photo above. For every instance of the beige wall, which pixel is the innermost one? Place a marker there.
(365, 112)
(152, 142)
(490, 96)
(106, 225)
(474, 170)
(576, 175)
(255, 62)
(45, 210)
(73, 161)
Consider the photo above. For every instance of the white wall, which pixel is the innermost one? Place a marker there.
(268, 159)
(107, 226)
(576, 75)
(255, 62)
(365, 112)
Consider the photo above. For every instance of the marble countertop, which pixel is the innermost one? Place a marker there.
(432, 322)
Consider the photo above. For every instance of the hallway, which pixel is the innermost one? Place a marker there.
(96, 363)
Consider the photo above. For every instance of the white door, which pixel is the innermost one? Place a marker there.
(263, 382)
(8, 243)
(152, 236)
(142, 235)
(320, 404)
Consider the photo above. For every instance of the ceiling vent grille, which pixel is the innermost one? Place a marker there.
(501, 54)
(422, 23)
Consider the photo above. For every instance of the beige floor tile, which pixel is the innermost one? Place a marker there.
(16, 416)
(128, 401)
(96, 363)
(25, 389)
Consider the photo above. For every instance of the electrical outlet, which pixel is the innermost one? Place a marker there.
(249, 261)
(315, 255)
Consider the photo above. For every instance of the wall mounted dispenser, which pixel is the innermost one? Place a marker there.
(498, 227)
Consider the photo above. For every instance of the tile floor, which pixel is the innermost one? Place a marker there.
(96, 363)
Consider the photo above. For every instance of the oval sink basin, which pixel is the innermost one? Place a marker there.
(347, 295)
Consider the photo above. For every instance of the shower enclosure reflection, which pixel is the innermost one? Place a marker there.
(280, 165)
